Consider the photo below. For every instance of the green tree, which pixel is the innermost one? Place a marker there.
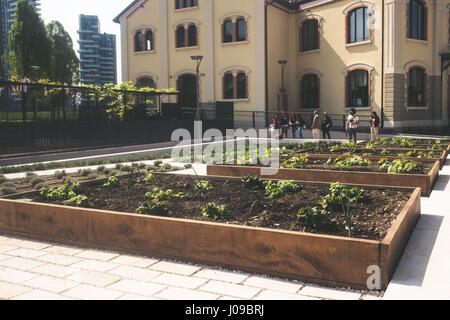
(64, 63)
(29, 47)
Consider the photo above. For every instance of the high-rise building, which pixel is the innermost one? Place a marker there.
(7, 15)
(97, 53)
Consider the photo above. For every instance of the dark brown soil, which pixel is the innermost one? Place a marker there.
(371, 220)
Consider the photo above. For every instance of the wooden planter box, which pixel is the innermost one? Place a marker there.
(423, 181)
(372, 158)
(321, 259)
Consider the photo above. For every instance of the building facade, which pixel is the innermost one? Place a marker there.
(98, 62)
(7, 15)
(381, 55)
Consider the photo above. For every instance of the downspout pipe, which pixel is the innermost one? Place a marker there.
(382, 63)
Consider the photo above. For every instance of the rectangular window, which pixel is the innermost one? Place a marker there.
(358, 84)
(310, 35)
(181, 40)
(358, 25)
(416, 87)
(310, 91)
(227, 31)
(241, 86)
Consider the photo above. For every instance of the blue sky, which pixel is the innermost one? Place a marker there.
(67, 12)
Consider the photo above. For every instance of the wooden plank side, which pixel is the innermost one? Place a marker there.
(325, 259)
(330, 176)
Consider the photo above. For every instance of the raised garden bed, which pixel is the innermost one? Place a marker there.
(263, 244)
(424, 181)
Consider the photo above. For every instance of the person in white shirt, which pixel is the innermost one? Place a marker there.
(352, 125)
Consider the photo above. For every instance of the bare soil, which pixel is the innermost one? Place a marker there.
(371, 220)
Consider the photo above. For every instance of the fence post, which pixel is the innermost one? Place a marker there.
(254, 119)
(344, 122)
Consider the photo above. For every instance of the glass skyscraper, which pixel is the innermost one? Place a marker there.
(97, 53)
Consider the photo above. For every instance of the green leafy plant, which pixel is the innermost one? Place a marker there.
(112, 183)
(214, 211)
(65, 192)
(400, 166)
(92, 176)
(3, 179)
(155, 208)
(101, 169)
(279, 189)
(296, 162)
(7, 188)
(149, 178)
(350, 162)
(333, 201)
(312, 217)
(203, 186)
(160, 195)
(79, 201)
(85, 172)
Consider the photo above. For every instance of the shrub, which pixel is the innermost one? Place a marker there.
(101, 169)
(107, 171)
(85, 172)
(3, 179)
(214, 211)
(8, 189)
(36, 180)
(92, 176)
(149, 178)
(188, 166)
(312, 217)
(41, 185)
(142, 166)
(118, 166)
(29, 176)
(158, 163)
(126, 169)
(60, 174)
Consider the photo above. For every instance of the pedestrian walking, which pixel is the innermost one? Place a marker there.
(326, 126)
(351, 127)
(316, 126)
(375, 127)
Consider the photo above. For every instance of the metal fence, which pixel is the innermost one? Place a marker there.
(79, 121)
(259, 119)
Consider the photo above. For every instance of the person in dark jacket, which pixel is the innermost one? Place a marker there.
(284, 120)
(375, 127)
(326, 126)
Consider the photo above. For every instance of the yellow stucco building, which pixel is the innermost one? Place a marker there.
(381, 55)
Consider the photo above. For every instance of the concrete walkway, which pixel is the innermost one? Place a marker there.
(424, 270)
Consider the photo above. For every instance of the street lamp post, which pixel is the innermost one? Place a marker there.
(198, 59)
(282, 96)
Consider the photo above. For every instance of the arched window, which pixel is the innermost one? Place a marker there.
(358, 88)
(186, 35)
(143, 40)
(146, 82)
(235, 85)
(309, 33)
(138, 40)
(417, 20)
(241, 30)
(227, 31)
(234, 29)
(416, 87)
(149, 40)
(228, 86)
(310, 95)
(192, 35)
(358, 25)
(181, 37)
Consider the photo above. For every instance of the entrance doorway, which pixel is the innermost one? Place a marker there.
(187, 86)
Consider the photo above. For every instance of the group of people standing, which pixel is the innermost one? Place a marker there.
(295, 124)
(321, 125)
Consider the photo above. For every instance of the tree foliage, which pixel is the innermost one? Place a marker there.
(28, 43)
(64, 63)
